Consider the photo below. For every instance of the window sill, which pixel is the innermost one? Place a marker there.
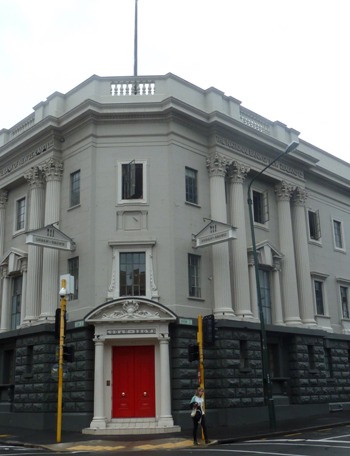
(194, 298)
(188, 203)
(71, 208)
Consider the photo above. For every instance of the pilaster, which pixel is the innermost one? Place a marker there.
(5, 307)
(302, 257)
(52, 171)
(3, 204)
(165, 417)
(217, 165)
(241, 300)
(289, 281)
(36, 218)
(99, 420)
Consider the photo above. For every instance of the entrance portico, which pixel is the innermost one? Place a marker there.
(132, 369)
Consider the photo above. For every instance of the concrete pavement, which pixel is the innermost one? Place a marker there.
(76, 441)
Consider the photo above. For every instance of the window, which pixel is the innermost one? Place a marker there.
(260, 207)
(318, 286)
(338, 234)
(20, 214)
(7, 373)
(16, 302)
(265, 291)
(132, 274)
(311, 355)
(30, 358)
(73, 270)
(328, 362)
(194, 286)
(344, 301)
(132, 181)
(75, 188)
(243, 354)
(314, 225)
(191, 186)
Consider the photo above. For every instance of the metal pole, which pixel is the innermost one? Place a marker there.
(268, 396)
(60, 361)
(135, 41)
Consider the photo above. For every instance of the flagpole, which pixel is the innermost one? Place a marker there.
(135, 41)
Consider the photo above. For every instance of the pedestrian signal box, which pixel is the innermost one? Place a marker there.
(209, 330)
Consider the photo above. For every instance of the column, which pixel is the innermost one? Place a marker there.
(252, 287)
(99, 420)
(36, 220)
(221, 267)
(3, 204)
(5, 308)
(240, 275)
(165, 418)
(302, 257)
(289, 279)
(53, 171)
(24, 269)
(277, 314)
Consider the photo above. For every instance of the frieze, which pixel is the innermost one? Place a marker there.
(248, 152)
(130, 310)
(26, 158)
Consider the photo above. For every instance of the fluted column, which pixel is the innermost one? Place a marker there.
(3, 204)
(240, 274)
(53, 171)
(221, 267)
(5, 307)
(24, 270)
(99, 420)
(252, 286)
(165, 418)
(277, 313)
(302, 257)
(36, 220)
(289, 279)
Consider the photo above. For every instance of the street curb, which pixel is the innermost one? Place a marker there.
(278, 433)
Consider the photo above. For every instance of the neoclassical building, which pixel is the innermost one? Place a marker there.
(138, 188)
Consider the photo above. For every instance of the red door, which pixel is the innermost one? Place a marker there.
(133, 393)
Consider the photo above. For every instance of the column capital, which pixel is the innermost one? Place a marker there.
(3, 198)
(237, 172)
(35, 177)
(284, 191)
(52, 169)
(217, 165)
(4, 272)
(300, 196)
(24, 265)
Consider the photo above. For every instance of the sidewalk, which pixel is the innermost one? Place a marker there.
(75, 441)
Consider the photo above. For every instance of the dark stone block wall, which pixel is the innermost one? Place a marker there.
(36, 386)
(231, 384)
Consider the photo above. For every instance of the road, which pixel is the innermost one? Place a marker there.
(19, 450)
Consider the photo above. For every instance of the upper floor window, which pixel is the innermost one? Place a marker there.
(132, 179)
(338, 235)
(260, 207)
(75, 188)
(132, 274)
(265, 290)
(16, 302)
(73, 270)
(20, 214)
(344, 300)
(314, 225)
(191, 185)
(194, 283)
(319, 299)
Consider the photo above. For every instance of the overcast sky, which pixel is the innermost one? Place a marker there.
(287, 60)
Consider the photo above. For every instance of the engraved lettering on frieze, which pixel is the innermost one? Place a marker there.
(243, 150)
(123, 332)
(26, 158)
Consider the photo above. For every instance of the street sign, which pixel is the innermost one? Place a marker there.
(50, 237)
(214, 233)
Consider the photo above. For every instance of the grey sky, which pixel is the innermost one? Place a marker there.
(286, 60)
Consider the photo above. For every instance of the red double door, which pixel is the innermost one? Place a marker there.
(133, 393)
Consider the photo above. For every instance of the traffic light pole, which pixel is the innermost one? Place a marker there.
(200, 346)
(63, 303)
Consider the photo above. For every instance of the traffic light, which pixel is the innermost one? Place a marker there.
(193, 352)
(208, 330)
(68, 353)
